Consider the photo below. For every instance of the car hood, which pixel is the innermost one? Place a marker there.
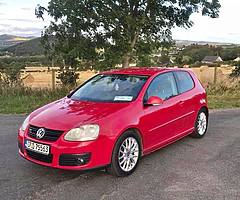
(66, 114)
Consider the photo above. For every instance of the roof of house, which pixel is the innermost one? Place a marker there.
(211, 58)
(237, 59)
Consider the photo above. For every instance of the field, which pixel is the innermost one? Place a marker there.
(42, 77)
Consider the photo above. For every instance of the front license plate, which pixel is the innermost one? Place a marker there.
(39, 148)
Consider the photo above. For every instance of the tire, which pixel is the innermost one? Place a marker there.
(124, 159)
(201, 124)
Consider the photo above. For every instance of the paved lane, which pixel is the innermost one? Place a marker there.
(189, 169)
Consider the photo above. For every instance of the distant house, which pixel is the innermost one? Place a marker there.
(212, 59)
(237, 59)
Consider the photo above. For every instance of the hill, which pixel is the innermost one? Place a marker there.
(28, 48)
(181, 43)
(9, 40)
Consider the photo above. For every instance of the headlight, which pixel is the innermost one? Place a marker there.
(83, 133)
(25, 124)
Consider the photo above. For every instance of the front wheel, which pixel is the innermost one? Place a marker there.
(126, 155)
(201, 124)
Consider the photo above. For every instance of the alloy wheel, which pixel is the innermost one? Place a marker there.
(128, 154)
(202, 123)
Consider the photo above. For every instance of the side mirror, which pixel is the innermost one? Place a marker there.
(154, 101)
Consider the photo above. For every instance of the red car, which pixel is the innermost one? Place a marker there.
(114, 119)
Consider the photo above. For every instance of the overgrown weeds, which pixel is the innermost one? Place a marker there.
(24, 100)
(19, 99)
(224, 95)
(231, 87)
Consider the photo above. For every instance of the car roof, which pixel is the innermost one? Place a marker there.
(142, 71)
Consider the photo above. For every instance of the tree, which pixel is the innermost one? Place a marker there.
(236, 72)
(10, 73)
(69, 53)
(230, 53)
(118, 27)
(196, 53)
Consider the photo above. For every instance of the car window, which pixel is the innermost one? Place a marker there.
(185, 82)
(164, 86)
(111, 88)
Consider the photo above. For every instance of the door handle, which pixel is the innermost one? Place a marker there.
(181, 103)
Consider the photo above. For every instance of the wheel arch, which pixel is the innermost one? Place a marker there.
(205, 108)
(135, 131)
(202, 109)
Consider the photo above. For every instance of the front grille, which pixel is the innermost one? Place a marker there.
(74, 159)
(39, 157)
(50, 135)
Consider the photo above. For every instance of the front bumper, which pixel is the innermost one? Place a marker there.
(69, 155)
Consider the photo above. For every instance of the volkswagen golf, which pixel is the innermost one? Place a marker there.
(114, 119)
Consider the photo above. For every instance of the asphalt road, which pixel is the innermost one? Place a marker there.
(189, 169)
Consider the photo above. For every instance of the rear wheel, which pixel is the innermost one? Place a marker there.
(126, 155)
(201, 124)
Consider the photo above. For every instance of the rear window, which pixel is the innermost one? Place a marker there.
(185, 81)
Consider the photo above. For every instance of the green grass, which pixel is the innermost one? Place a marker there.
(224, 101)
(20, 100)
(224, 95)
(24, 100)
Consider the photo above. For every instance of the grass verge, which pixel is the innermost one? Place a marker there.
(223, 101)
(224, 95)
(24, 100)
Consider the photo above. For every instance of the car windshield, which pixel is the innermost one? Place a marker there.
(110, 88)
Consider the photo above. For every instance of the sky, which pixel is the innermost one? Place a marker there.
(17, 18)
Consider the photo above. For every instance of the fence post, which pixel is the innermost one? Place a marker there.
(53, 79)
(215, 75)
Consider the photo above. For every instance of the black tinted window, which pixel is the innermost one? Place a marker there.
(163, 86)
(185, 82)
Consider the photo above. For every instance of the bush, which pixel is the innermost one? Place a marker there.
(68, 77)
(236, 72)
(10, 73)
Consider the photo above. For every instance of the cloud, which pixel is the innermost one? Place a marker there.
(23, 20)
(2, 4)
(237, 34)
(28, 31)
(222, 29)
(26, 9)
(5, 25)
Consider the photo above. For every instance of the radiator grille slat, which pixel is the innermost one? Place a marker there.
(50, 135)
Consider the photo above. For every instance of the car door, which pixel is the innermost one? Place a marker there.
(187, 95)
(161, 122)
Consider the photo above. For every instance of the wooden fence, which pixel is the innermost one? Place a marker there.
(47, 78)
(43, 77)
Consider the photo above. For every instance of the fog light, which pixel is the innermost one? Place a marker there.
(74, 159)
(80, 160)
